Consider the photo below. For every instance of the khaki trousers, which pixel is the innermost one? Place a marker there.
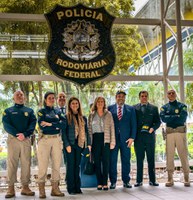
(49, 148)
(178, 141)
(18, 150)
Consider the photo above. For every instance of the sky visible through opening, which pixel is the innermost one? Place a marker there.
(139, 4)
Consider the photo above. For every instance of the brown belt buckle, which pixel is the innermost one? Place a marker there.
(46, 136)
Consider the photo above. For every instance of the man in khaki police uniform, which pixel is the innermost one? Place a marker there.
(19, 122)
(174, 114)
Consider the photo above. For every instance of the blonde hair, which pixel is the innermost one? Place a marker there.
(94, 106)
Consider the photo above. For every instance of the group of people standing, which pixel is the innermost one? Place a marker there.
(64, 130)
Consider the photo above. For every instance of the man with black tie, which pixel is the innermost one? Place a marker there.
(148, 121)
(125, 131)
(61, 100)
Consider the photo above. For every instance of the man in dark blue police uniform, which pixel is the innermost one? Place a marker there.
(174, 114)
(148, 121)
(125, 131)
(19, 122)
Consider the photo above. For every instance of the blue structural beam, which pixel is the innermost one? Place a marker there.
(170, 43)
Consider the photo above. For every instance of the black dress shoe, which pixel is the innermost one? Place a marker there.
(153, 183)
(127, 185)
(79, 192)
(99, 187)
(72, 193)
(113, 186)
(105, 188)
(138, 184)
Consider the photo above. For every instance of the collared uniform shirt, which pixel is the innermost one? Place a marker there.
(19, 119)
(174, 114)
(51, 115)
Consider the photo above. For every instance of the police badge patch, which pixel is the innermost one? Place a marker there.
(80, 48)
(26, 114)
(176, 111)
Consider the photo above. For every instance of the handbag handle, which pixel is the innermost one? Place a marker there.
(90, 157)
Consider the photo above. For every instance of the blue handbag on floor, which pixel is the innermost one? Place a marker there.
(88, 176)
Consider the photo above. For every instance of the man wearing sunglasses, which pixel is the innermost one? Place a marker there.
(174, 114)
(61, 100)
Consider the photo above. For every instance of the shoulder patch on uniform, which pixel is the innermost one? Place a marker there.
(185, 108)
(161, 109)
(40, 114)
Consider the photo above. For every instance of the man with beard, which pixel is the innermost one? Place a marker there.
(125, 131)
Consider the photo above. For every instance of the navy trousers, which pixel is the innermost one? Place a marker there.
(101, 154)
(144, 146)
(125, 153)
(73, 169)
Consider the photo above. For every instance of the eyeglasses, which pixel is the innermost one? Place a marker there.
(62, 97)
(171, 93)
(143, 96)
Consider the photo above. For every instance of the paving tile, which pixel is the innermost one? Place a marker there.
(146, 192)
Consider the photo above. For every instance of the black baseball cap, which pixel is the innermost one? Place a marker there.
(48, 93)
(120, 92)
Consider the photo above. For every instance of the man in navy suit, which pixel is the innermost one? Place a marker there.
(61, 100)
(125, 131)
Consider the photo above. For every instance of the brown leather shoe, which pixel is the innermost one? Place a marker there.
(42, 193)
(10, 192)
(26, 191)
(170, 181)
(187, 184)
(186, 180)
(56, 190)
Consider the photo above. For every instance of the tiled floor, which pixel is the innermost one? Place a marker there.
(146, 192)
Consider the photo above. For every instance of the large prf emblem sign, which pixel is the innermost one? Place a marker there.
(80, 48)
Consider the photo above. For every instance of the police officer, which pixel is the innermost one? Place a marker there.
(19, 122)
(174, 114)
(148, 121)
(50, 144)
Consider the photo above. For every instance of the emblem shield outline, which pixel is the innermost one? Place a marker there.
(60, 63)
